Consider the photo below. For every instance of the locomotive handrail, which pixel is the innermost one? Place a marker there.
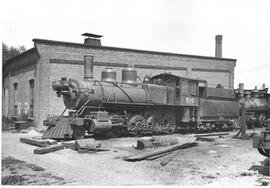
(110, 94)
(123, 92)
(82, 107)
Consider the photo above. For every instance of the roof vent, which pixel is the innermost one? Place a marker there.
(92, 39)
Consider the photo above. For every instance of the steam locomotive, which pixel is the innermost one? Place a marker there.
(257, 105)
(164, 103)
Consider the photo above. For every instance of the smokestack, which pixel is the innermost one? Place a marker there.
(218, 52)
(263, 86)
(88, 67)
(241, 89)
(92, 39)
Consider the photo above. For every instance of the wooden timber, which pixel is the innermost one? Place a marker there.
(48, 149)
(143, 156)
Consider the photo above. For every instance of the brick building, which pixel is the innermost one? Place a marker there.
(27, 78)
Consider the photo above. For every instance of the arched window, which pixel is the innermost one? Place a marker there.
(15, 87)
(31, 97)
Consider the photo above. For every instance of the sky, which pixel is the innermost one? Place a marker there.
(178, 26)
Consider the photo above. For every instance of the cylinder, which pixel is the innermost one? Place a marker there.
(129, 75)
(108, 75)
(218, 52)
(88, 67)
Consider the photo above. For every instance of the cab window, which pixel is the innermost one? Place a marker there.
(193, 88)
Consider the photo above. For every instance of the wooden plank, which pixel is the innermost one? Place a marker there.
(51, 141)
(214, 134)
(48, 149)
(96, 148)
(157, 156)
(160, 151)
(206, 139)
(169, 158)
(86, 151)
(35, 142)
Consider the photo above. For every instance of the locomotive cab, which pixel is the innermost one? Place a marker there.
(185, 90)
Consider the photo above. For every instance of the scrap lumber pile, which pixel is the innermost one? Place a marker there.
(49, 145)
(150, 142)
(209, 137)
(88, 146)
(38, 142)
(173, 150)
(44, 145)
(48, 149)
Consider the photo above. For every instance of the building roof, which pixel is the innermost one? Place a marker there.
(81, 45)
(26, 58)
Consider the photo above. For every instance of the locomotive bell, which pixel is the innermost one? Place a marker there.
(108, 75)
(129, 75)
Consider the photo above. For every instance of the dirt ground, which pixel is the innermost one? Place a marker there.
(218, 163)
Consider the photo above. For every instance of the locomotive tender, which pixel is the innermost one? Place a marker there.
(164, 103)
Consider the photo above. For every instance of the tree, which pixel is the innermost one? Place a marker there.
(9, 52)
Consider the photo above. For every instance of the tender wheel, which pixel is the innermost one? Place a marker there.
(136, 123)
(168, 124)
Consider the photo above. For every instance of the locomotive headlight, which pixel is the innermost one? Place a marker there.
(57, 85)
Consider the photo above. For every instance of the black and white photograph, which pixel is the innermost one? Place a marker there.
(135, 93)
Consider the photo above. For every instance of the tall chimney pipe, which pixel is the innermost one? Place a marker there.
(88, 67)
(218, 52)
(241, 89)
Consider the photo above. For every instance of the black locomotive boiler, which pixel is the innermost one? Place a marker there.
(164, 103)
(257, 105)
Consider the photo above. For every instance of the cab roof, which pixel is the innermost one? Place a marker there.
(172, 76)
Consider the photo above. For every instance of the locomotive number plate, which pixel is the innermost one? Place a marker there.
(190, 100)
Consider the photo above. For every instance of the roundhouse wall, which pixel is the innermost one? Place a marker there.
(58, 61)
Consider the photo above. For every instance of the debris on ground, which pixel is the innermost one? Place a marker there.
(48, 149)
(264, 181)
(168, 149)
(212, 134)
(38, 142)
(208, 137)
(169, 158)
(209, 176)
(265, 169)
(248, 173)
(17, 172)
(88, 146)
(150, 142)
(69, 144)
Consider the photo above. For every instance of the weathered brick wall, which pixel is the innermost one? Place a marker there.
(21, 77)
(48, 103)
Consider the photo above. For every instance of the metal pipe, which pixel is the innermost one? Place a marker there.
(241, 89)
(88, 67)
